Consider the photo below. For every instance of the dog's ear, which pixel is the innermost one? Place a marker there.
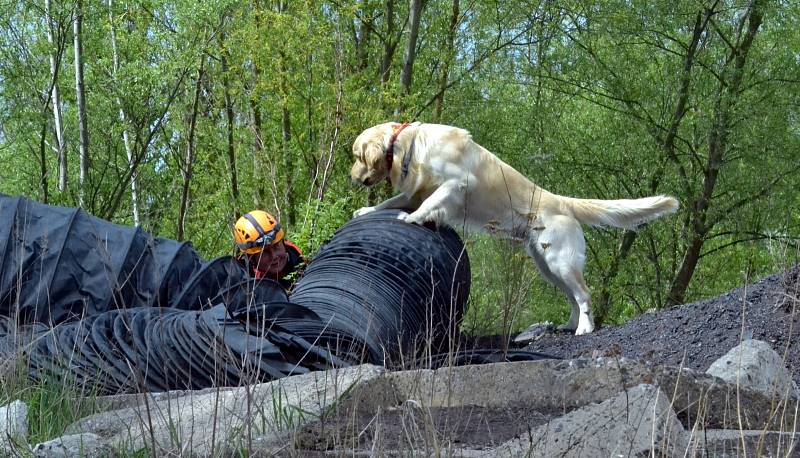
(373, 155)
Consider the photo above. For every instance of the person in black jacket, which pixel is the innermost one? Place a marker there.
(265, 252)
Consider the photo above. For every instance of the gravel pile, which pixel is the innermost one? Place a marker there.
(696, 334)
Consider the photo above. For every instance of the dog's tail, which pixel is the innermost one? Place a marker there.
(623, 213)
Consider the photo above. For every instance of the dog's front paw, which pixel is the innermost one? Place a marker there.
(363, 211)
(411, 218)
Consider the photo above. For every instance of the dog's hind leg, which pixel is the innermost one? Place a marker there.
(560, 246)
(550, 277)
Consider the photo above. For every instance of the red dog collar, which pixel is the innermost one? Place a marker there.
(390, 151)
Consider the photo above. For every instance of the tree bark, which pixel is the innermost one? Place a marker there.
(407, 73)
(188, 161)
(122, 118)
(259, 189)
(727, 95)
(286, 138)
(226, 82)
(449, 55)
(286, 135)
(43, 180)
(83, 128)
(55, 58)
(389, 43)
(362, 38)
(603, 302)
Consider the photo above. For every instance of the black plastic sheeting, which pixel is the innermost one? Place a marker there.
(114, 309)
(59, 264)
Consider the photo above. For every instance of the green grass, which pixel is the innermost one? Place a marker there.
(52, 404)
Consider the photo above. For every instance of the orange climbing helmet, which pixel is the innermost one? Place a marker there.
(256, 230)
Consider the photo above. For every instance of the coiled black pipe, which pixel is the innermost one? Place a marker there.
(159, 349)
(384, 289)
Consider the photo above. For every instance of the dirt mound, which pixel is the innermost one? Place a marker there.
(696, 334)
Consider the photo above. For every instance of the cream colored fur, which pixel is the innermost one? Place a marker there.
(453, 180)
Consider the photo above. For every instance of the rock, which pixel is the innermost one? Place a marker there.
(121, 401)
(197, 424)
(85, 445)
(13, 425)
(755, 365)
(561, 386)
(534, 332)
(631, 424)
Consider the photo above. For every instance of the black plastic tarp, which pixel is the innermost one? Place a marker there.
(59, 264)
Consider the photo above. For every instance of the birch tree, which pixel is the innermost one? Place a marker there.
(83, 128)
(56, 51)
(122, 118)
(415, 11)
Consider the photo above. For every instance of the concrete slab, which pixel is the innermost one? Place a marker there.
(637, 422)
(200, 424)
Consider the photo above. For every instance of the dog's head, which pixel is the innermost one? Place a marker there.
(369, 151)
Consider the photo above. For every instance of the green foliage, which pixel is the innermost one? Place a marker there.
(321, 219)
(581, 97)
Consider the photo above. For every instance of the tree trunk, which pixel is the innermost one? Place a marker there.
(727, 95)
(389, 44)
(188, 161)
(229, 116)
(406, 74)
(603, 302)
(286, 136)
(55, 58)
(449, 55)
(259, 188)
(122, 118)
(362, 39)
(43, 186)
(83, 128)
(667, 144)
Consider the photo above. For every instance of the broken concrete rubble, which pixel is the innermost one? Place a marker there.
(553, 407)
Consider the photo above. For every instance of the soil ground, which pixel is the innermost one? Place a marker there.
(695, 335)
(409, 427)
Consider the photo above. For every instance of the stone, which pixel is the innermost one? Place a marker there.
(634, 423)
(534, 332)
(226, 419)
(755, 365)
(558, 387)
(85, 445)
(13, 425)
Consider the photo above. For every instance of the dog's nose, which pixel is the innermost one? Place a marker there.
(365, 181)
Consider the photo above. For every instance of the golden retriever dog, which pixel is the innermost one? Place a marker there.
(447, 178)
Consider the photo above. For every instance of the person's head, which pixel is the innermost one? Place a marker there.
(260, 237)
